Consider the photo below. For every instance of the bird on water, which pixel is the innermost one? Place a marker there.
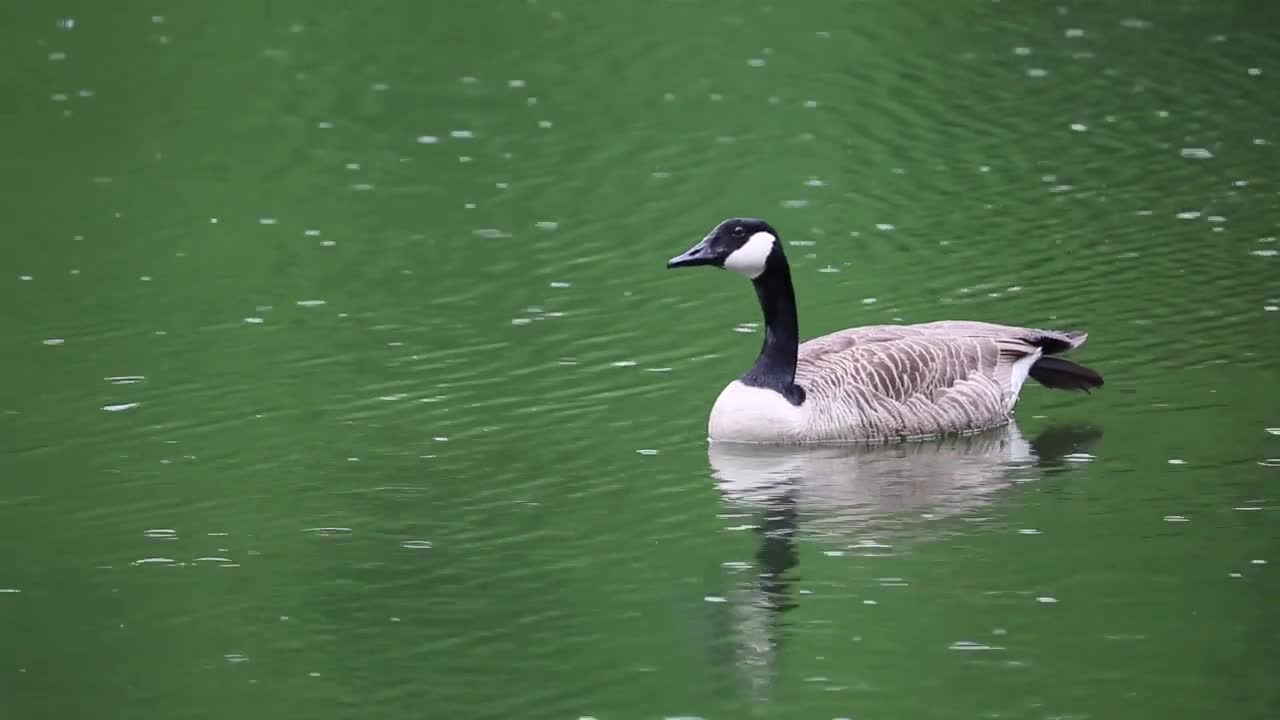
(870, 383)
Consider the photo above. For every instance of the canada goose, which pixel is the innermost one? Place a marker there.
(871, 383)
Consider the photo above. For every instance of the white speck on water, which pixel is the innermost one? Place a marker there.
(10, 590)
(811, 104)
(1261, 141)
(235, 658)
(428, 139)
(1176, 461)
(647, 451)
(328, 531)
(312, 303)
(1074, 33)
(623, 363)
(795, 204)
(1036, 72)
(313, 674)
(440, 438)
(161, 533)
(1078, 457)
(157, 19)
(469, 79)
(1188, 215)
(1265, 252)
(54, 341)
(1023, 51)
(1247, 508)
(125, 379)
(268, 221)
(461, 134)
(57, 56)
(1196, 153)
(1176, 518)
(66, 23)
(1046, 599)
(833, 553)
(1079, 127)
(1028, 531)
(829, 269)
(1258, 562)
(870, 301)
(1216, 219)
(26, 278)
(120, 407)
(713, 599)
(968, 645)
(515, 83)
(756, 62)
(886, 227)
(145, 278)
(521, 321)
(814, 182)
(1135, 23)
(544, 124)
(870, 602)
(1255, 71)
(547, 225)
(416, 544)
(154, 561)
(1235, 575)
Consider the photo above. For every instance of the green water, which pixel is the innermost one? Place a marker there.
(343, 377)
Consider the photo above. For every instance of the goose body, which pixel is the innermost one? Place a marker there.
(873, 383)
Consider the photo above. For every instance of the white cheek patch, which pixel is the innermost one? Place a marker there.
(750, 259)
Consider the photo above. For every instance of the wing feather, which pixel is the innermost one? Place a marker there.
(909, 380)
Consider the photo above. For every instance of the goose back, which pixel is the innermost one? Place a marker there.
(908, 381)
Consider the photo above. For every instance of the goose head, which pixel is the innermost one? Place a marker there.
(747, 246)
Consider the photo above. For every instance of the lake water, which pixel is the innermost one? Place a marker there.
(343, 377)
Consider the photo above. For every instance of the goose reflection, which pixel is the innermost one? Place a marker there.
(854, 498)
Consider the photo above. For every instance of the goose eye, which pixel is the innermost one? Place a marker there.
(737, 231)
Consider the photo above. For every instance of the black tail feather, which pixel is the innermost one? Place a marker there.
(1062, 374)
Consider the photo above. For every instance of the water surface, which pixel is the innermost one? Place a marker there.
(343, 377)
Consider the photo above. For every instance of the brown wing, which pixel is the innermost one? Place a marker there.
(1051, 341)
(911, 380)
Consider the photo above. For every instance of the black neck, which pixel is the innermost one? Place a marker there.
(775, 369)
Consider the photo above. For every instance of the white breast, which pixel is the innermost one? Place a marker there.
(754, 415)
